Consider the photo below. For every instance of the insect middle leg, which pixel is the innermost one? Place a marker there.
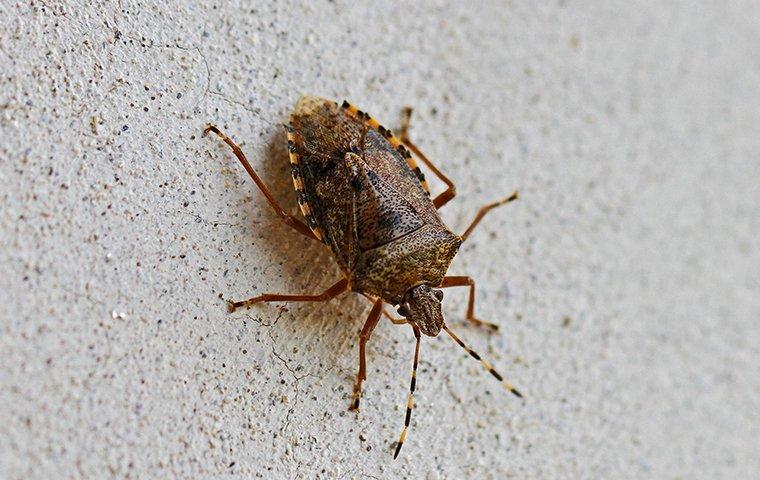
(295, 223)
(328, 294)
(485, 209)
(457, 281)
(442, 198)
(369, 325)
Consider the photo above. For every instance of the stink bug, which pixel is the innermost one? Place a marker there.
(364, 196)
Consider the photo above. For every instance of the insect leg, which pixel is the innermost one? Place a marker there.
(410, 400)
(369, 325)
(328, 294)
(295, 223)
(395, 321)
(487, 365)
(455, 281)
(482, 212)
(442, 198)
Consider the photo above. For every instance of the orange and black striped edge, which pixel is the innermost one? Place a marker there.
(395, 142)
(295, 172)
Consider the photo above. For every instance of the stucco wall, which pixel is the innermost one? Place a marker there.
(625, 280)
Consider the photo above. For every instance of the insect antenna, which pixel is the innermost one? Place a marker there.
(485, 363)
(410, 400)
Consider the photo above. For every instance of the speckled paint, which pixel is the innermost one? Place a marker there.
(625, 280)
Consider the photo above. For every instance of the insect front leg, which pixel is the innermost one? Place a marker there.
(292, 221)
(457, 281)
(395, 321)
(369, 325)
(442, 198)
(328, 294)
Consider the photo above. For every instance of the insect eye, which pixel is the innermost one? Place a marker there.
(439, 295)
(403, 310)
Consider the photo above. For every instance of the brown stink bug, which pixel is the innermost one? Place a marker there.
(364, 196)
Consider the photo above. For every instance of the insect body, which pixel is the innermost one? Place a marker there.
(364, 196)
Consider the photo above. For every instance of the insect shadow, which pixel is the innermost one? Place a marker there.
(305, 265)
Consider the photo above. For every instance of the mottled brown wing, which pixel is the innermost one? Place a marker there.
(380, 213)
(354, 205)
(317, 142)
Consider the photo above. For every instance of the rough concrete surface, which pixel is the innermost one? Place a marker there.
(626, 280)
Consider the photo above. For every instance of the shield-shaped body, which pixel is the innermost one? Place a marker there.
(364, 197)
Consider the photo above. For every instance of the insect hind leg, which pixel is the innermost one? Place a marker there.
(442, 198)
(292, 221)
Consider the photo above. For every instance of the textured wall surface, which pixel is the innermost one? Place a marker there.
(625, 281)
